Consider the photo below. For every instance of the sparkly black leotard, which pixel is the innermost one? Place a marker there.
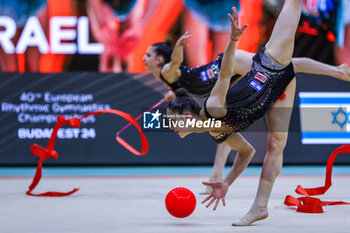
(199, 81)
(252, 96)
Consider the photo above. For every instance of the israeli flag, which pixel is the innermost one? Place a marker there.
(325, 117)
(254, 84)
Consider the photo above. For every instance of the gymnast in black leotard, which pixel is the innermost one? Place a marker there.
(253, 95)
(165, 64)
(246, 102)
(237, 107)
(198, 81)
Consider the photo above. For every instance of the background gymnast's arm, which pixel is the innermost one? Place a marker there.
(171, 71)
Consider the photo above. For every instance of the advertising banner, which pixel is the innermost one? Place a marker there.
(31, 102)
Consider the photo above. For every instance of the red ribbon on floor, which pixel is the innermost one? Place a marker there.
(49, 152)
(309, 204)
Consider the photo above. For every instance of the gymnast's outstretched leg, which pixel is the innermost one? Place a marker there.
(280, 46)
(280, 49)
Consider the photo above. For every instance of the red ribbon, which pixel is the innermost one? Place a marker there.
(138, 117)
(49, 152)
(309, 204)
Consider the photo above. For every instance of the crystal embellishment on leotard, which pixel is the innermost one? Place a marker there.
(232, 129)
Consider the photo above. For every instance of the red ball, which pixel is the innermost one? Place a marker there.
(180, 202)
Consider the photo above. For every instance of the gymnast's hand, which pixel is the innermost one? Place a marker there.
(182, 40)
(169, 96)
(236, 32)
(219, 191)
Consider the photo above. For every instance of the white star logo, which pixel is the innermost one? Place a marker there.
(156, 115)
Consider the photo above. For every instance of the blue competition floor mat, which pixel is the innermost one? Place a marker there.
(159, 171)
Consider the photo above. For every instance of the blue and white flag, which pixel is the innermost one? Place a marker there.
(325, 117)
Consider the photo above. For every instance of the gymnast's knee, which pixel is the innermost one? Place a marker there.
(276, 142)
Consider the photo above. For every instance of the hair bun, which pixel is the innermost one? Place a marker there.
(168, 42)
(182, 92)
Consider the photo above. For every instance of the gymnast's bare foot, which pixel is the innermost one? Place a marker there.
(254, 214)
(344, 72)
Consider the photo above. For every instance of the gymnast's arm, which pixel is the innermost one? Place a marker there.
(171, 71)
(216, 103)
(217, 100)
(245, 153)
